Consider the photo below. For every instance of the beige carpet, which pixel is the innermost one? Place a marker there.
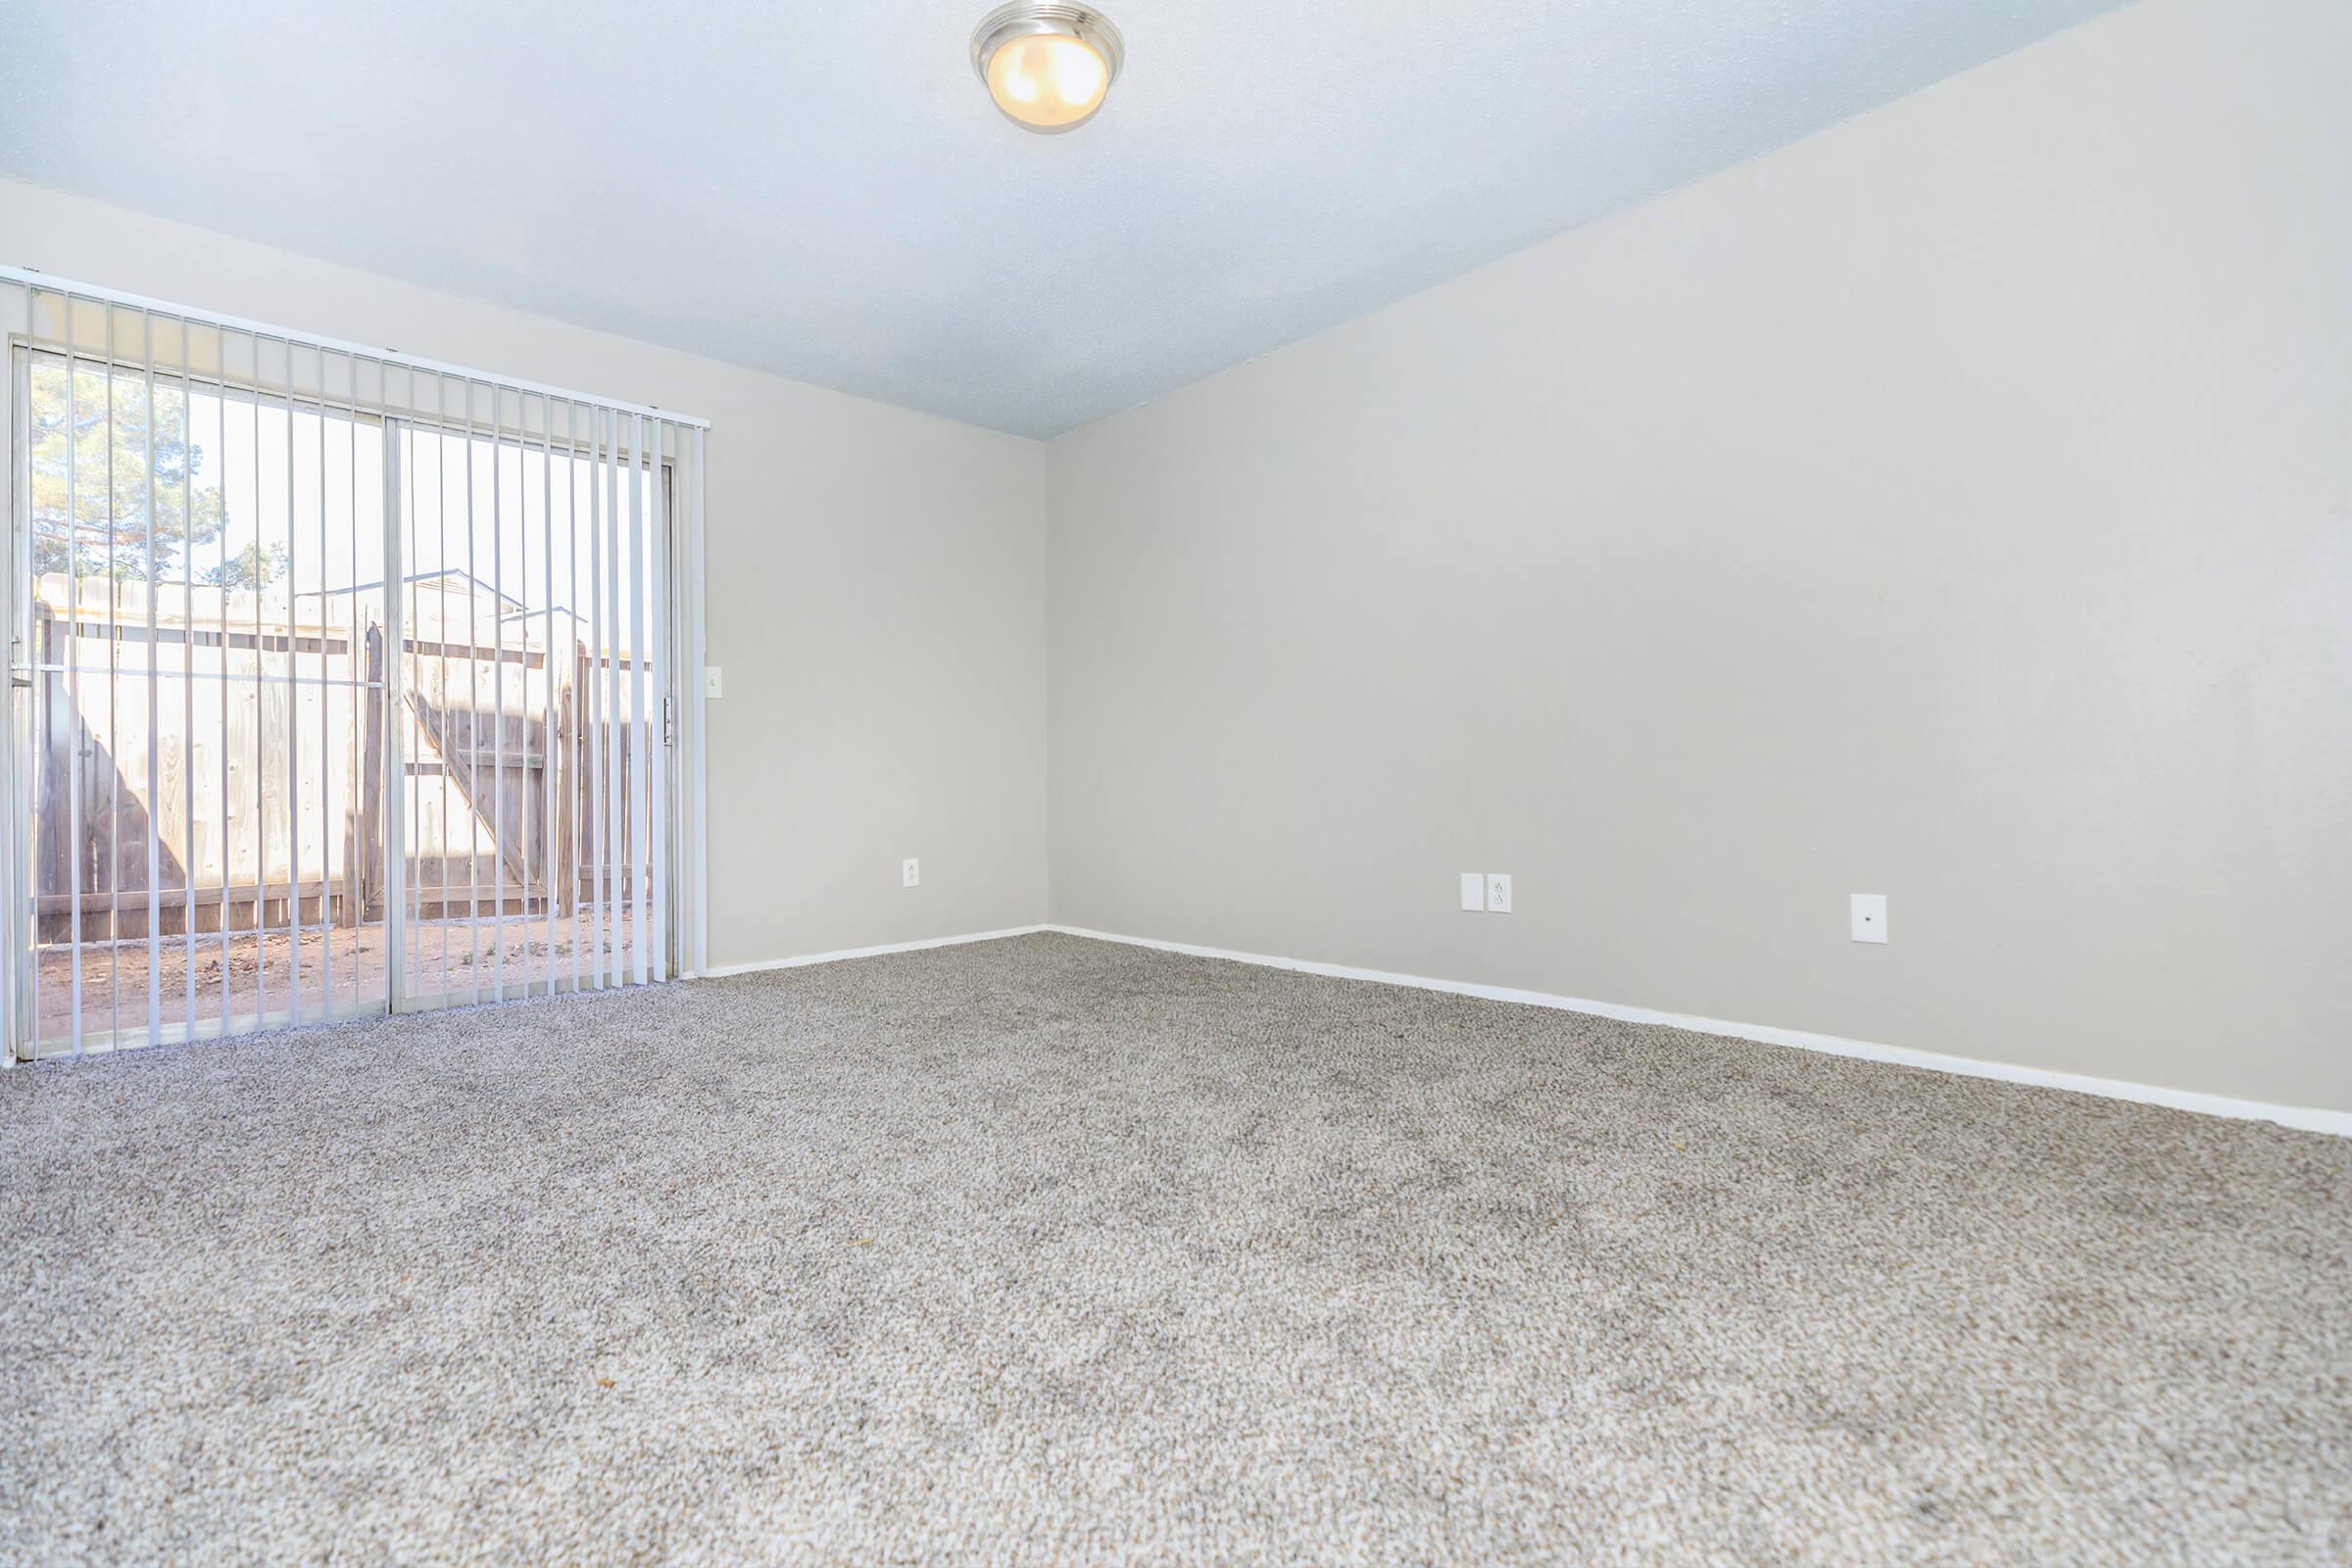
(1051, 1252)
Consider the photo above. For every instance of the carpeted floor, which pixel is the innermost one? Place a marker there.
(1053, 1252)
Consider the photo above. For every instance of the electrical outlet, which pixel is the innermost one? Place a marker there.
(1870, 917)
(1498, 893)
(910, 873)
(1474, 890)
(711, 682)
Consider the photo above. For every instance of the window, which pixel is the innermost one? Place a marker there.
(344, 684)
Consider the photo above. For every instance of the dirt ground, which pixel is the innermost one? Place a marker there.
(346, 968)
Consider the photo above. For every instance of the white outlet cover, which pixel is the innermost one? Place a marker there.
(711, 681)
(1498, 893)
(1870, 917)
(1474, 890)
(910, 873)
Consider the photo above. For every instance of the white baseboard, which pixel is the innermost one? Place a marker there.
(808, 958)
(2337, 1122)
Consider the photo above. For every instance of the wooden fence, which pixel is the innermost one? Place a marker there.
(266, 742)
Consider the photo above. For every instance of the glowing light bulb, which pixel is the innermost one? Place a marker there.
(1048, 66)
(1048, 79)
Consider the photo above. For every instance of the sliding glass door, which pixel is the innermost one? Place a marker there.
(325, 704)
(532, 709)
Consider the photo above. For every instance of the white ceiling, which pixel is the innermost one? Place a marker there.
(823, 189)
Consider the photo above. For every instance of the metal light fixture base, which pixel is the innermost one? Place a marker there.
(1021, 19)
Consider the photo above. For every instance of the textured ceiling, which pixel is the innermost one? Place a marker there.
(822, 189)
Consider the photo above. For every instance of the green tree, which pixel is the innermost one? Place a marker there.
(250, 568)
(109, 468)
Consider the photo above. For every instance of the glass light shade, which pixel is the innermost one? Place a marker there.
(1047, 80)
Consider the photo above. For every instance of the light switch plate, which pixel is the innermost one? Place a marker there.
(711, 682)
(1474, 891)
(1498, 893)
(1870, 917)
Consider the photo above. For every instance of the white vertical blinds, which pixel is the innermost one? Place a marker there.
(396, 722)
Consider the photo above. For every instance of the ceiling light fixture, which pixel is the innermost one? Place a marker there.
(1048, 65)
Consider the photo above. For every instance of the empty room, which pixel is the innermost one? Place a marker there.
(1553, 782)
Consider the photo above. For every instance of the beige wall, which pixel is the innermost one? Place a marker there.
(1956, 505)
(875, 581)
